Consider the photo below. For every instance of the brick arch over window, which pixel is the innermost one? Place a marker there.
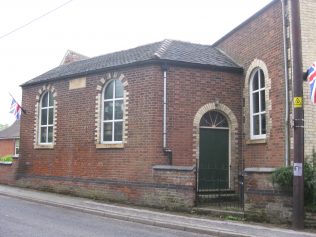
(40, 93)
(233, 128)
(100, 87)
(253, 66)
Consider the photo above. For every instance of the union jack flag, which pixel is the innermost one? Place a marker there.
(311, 78)
(15, 109)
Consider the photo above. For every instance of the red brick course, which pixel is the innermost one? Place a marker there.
(7, 147)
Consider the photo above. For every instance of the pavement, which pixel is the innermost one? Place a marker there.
(151, 217)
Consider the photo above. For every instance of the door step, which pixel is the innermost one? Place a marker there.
(218, 197)
(232, 213)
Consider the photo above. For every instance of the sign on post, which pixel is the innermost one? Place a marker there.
(298, 169)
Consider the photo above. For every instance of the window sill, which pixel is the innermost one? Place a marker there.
(6, 162)
(259, 170)
(256, 141)
(109, 146)
(44, 146)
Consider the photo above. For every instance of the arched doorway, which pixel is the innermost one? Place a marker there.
(213, 166)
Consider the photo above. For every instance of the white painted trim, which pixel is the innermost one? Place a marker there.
(40, 118)
(113, 120)
(252, 114)
(15, 147)
(257, 63)
(259, 169)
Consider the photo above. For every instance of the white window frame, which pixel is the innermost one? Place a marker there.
(260, 112)
(113, 120)
(16, 146)
(40, 126)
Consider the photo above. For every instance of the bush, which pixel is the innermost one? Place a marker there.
(284, 178)
(6, 159)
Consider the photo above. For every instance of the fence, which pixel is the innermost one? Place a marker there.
(215, 192)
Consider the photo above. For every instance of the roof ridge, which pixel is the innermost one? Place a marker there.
(163, 48)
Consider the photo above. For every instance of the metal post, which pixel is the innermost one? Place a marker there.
(298, 180)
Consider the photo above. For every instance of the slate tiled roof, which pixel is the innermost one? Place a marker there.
(11, 132)
(166, 50)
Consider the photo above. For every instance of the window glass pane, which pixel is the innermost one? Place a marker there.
(43, 134)
(50, 134)
(118, 89)
(255, 102)
(118, 128)
(44, 117)
(213, 119)
(51, 99)
(45, 100)
(17, 147)
(256, 125)
(107, 132)
(263, 124)
(263, 101)
(262, 85)
(108, 110)
(255, 81)
(119, 109)
(51, 116)
(108, 93)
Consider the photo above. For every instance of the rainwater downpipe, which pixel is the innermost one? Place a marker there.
(286, 75)
(166, 150)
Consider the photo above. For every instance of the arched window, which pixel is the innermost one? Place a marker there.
(257, 105)
(46, 120)
(214, 119)
(112, 116)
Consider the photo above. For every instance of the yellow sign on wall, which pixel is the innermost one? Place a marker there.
(298, 102)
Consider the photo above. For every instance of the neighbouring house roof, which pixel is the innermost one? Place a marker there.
(163, 51)
(72, 56)
(11, 132)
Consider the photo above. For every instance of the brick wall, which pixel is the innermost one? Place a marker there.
(7, 147)
(265, 201)
(8, 172)
(127, 173)
(189, 91)
(260, 40)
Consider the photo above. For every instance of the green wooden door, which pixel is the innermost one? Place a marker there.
(213, 162)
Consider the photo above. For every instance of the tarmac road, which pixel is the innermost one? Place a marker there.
(27, 212)
(20, 218)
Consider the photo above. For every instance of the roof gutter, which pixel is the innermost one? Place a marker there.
(138, 63)
(9, 138)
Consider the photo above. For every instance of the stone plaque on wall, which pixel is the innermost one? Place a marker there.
(77, 83)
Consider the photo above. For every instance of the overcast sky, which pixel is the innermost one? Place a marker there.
(97, 27)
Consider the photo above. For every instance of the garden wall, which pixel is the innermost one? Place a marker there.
(8, 172)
